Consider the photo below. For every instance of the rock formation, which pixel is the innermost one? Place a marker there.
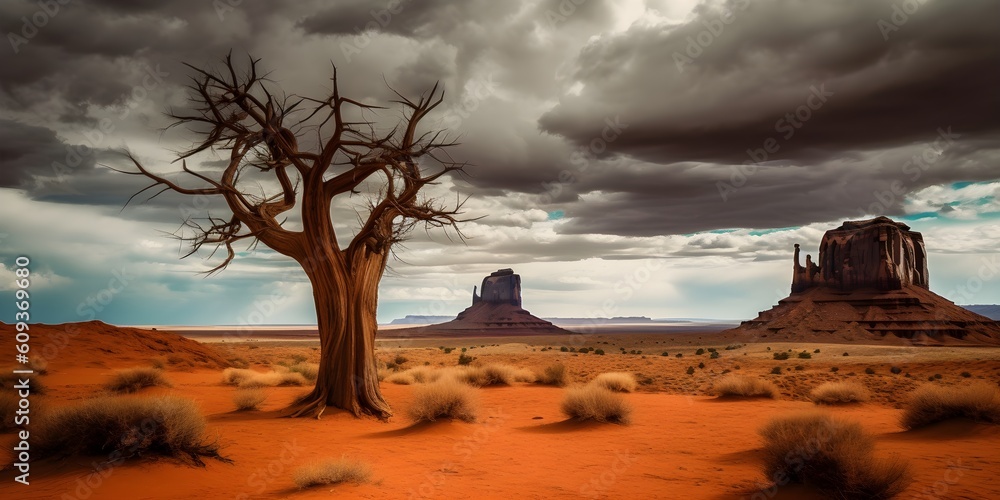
(877, 253)
(496, 312)
(869, 283)
(501, 287)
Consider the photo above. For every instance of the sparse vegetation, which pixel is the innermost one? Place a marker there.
(927, 405)
(838, 393)
(895, 370)
(554, 374)
(594, 402)
(249, 399)
(496, 374)
(805, 355)
(966, 375)
(776, 370)
(465, 360)
(834, 369)
(834, 456)
(740, 386)
(699, 352)
(343, 470)
(136, 379)
(690, 370)
(870, 371)
(616, 381)
(714, 355)
(308, 370)
(249, 378)
(124, 428)
(780, 356)
(445, 398)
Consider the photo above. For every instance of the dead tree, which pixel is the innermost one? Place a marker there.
(235, 113)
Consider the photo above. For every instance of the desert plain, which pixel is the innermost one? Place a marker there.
(681, 440)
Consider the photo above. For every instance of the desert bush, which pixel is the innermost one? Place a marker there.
(332, 472)
(249, 379)
(870, 371)
(496, 374)
(799, 368)
(465, 360)
(838, 393)
(929, 405)
(554, 374)
(805, 355)
(966, 375)
(834, 456)
(701, 365)
(249, 399)
(310, 371)
(298, 358)
(564, 349)
(400, 359)
(665, 353)
(743, 386)
(233, 362)
(690, 370)
(124, 428)
(595, 402)
(599, 352)
(446, 398)
(776, 370)
(834, 369)
(136, 379)
(714, 355)
(616, 381)
(896, 370)
(699, 352)
(780, 356)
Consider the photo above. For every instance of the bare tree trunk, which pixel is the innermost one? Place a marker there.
(346, 302)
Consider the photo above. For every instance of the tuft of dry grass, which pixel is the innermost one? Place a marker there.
(124, 428)
(832, 455)
(308, 370)
(136, 379)
(249, 379)
(616, 381)
(742, 386)
(343, 470)
(839, 393)
(249, 399)
(554, 374)
(495, 374)
(930, 404)
(595, 402)
(445, 398)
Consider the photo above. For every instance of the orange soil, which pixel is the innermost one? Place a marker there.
(679, 445)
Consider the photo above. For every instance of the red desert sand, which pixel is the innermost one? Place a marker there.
(681, 442)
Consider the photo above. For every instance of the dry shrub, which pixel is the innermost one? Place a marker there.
(931, 404)
(839, 393)
(616, 381)
(495, 374)
(122, 428)
(238, 362)
(834, 456)
(741, 386)
(136, 379)
(595, 402)
(415, 375)
(158, 362)
(308, 370)
(446, 398)
(233, 376)
(554, 374)
(249, 399)
(332, 472)
(249, 379)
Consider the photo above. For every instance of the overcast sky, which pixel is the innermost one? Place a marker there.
(632, 157)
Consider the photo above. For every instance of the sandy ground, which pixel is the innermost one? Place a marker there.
(681, 443)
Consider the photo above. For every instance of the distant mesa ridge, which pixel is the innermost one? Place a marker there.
(870, 282)
(497, 311)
